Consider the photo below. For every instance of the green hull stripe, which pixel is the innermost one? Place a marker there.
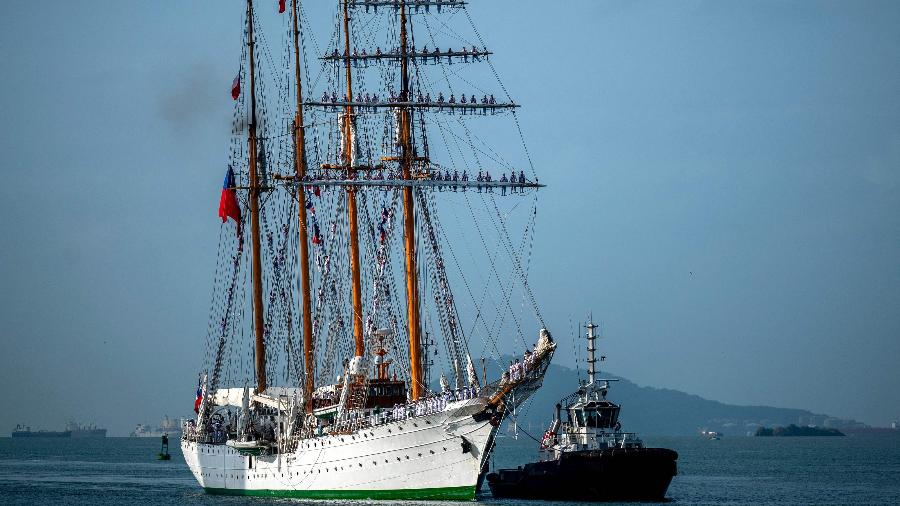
(447, 493)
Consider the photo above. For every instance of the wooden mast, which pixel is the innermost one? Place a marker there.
(351, 196)
(254, 218)
(417, 379)
(300, 164)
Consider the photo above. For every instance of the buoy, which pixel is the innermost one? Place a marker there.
(164, 451)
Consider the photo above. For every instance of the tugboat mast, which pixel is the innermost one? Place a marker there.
(254, 192)
(590, 349)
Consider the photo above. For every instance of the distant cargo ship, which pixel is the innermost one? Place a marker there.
(172, 427)
(73, 430)
(23, 431)
(85, 431)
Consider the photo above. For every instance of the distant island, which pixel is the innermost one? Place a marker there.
(665, 412)
(793, 430)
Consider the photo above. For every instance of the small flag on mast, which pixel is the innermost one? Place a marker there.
(236, 86)
(281, 6)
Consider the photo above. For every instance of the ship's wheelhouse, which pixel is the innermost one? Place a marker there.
(600, 414)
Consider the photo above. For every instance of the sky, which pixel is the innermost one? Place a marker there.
(723, 194)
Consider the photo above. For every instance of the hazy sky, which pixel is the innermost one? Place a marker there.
(724, 193)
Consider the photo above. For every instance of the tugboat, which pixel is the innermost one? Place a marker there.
(587, 456)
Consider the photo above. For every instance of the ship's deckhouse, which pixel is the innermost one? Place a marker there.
(600, 414)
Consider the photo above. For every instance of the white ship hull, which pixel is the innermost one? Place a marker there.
(437, 456)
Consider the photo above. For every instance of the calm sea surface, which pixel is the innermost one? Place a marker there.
(861, 469)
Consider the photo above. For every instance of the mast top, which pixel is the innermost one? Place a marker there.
(591, 360)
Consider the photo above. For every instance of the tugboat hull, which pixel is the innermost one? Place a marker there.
(619, 474)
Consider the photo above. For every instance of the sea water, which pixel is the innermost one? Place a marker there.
(858, 469)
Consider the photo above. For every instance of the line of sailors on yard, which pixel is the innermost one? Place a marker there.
(417, 5)
(436, 175)
(361, 58)
(441, 101)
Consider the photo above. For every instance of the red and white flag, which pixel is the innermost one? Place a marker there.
(236, 87)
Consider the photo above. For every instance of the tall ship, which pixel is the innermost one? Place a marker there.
(340, 363)
(586, 456)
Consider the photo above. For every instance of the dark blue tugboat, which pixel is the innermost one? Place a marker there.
(587, 456)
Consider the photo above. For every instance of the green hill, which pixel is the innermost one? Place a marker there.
(656, 411)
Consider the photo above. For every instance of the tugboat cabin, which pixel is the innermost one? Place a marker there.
(592, 423)
(594, 414)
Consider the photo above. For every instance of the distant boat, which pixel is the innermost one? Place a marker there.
(85, 431)
(711, 435)
(23, 431)
(73, 430)
(168, 426)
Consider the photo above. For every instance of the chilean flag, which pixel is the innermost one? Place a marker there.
(236, 86)
(199, 400)
(281, 6)
(228, 203)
